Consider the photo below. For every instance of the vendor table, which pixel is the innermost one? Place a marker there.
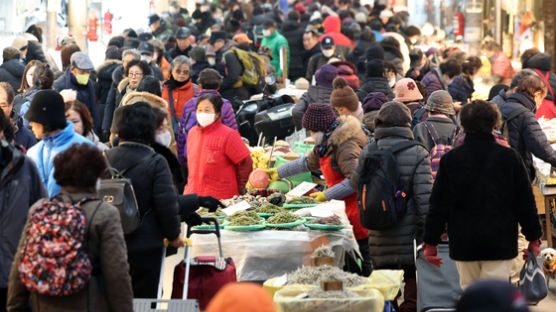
(261, 255)
(549, 203)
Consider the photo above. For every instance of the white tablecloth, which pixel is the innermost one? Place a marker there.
(261, 255)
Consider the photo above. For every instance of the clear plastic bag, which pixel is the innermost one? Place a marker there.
(288, 300)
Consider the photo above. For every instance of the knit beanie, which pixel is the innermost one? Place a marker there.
(375, 68)
(302, 84)
(406, 91)
(47, 108)
(393, 114)
(373, 101)
(375, 51)
(343, 95)
(318, 117)
(440, 101)
(325, 75)
(198, 54)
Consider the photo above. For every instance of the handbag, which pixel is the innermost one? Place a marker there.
(532, 282)
(118, 191)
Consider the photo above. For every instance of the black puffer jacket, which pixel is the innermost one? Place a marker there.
(525, 133)
(482, 191)
(11, 72)
(375, 84)
(461, 89)
(543, 63)
(315, 94)
(393, 248)
(104, 79)
(34, 52)
(112, 97)
(155, 192)
(393, 55)
(293, 32)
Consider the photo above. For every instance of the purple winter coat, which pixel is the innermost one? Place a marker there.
(433, 81)
(189, 120)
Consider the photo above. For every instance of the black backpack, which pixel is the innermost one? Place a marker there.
(511, 116)
(382, 199)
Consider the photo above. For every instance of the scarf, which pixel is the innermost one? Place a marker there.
(321, 149)
(174, 84)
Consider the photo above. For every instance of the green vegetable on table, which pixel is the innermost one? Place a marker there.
(269, 208)
(303, 200)
(204, 212)
(282, 218)
(243, 218)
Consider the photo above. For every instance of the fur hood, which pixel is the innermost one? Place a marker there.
(349, 130)
(153, 99)
(106, 64)
(123, 84)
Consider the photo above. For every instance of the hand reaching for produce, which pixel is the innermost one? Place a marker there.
(273, 173)
(319, 196)
(210, 203)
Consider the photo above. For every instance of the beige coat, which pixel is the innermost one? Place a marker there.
(110, 290)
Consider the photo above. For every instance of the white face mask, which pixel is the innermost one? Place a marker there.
(413, 40)
(328, 52)
(146, 58)
(266, 32)
(211, 61)
(164, 138)
(392, 82)
(97, 185)
(205, 119)
(318, 136)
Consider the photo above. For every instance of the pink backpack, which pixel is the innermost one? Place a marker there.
(438, 150)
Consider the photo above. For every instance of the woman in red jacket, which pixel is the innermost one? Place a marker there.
(179, 88)
(219, 162)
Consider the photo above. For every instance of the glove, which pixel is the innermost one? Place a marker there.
(534, 247)
(431, 255)
(210, 203)
(193, 219)
(318, 196)
(273, 173)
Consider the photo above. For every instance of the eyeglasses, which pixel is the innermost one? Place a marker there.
(135, 75)
(179, 72)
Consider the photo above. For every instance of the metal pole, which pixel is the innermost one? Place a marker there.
(77, 21)
(498, 21)
(52, 7)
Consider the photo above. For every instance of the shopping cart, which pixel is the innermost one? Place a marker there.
(438, 289)
(173, 305)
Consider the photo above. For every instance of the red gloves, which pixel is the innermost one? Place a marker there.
(431, 255)
(534, 247)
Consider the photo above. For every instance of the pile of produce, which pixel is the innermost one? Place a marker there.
(303, 200)
(307, 275)
(317, 292)
(277, 199)
(204, 212)
(332, 220)
(282, 218)
(243, 218)
(323, 251)
(248, 198)
(260, 158)
(269, 208)
(259, 179)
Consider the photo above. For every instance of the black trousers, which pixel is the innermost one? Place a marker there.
(3, 299)
(144, 268)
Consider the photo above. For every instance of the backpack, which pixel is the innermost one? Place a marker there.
(419, 115)
(381, 197)
(118, 191)
(438, 150)
(507, 118)
(54, 260)
(252, 67)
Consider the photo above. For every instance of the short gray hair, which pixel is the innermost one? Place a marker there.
(134, 52)
(520, 75)
(180, 60)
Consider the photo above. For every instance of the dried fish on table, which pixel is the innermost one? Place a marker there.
(323, 251)
(317, 292)
(314, 275)
(332, 220)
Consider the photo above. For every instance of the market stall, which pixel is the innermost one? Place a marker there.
(261, 255)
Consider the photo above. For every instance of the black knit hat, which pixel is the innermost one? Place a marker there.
(318, 117)
(47, 108)
(153, 18)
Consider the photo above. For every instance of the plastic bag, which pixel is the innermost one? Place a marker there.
(532, 281)
(388, 282)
